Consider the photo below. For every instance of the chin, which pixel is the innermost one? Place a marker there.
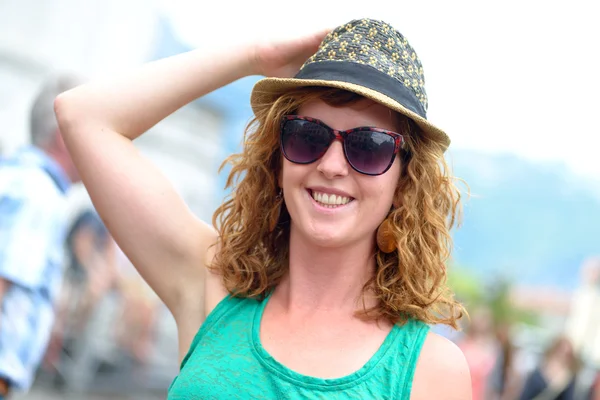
(327, 241)
(327, 237)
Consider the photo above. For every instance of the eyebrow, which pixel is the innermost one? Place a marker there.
(366, 125)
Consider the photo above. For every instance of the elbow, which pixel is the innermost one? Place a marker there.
(63, 110)
(75, 112)
(72, 114)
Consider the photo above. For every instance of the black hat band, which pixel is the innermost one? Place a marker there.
(366, 76)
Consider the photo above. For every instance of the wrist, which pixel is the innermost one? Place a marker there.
(242, 59)
(250, 55)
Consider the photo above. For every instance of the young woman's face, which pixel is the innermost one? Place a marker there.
(366, 200)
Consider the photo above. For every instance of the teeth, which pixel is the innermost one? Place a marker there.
(330, 200)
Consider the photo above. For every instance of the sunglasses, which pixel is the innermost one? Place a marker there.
(370, 151)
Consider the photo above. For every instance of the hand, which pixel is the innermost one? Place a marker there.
(283, 59)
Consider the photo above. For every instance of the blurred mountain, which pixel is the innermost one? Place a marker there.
(532, 222)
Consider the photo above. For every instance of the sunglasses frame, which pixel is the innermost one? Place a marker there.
(341, 136)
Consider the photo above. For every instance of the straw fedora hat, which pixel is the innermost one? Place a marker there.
(367, 57)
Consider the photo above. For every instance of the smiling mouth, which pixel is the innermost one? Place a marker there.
(329, 200)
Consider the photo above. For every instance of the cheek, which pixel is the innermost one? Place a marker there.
(287, 174)
(382, 187)
(292, 175)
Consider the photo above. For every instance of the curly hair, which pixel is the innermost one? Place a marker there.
(409, 283)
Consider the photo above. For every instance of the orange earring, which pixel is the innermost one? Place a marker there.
(386, 241)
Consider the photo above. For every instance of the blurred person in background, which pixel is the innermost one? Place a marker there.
(90, 274)
(140, 307)
(504, 381)
(33, 185)
(480, 348)
(93, 268)
(555, 377)
(594, 393)
(98, 268)
(326, 265)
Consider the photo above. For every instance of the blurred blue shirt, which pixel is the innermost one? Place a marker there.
(32, 233)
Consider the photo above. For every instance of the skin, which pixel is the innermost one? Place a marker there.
(353, 224)
(329, 252)
(330, 255)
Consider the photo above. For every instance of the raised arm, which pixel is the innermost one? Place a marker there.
(147, 218)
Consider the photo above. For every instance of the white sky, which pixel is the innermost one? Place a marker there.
(511, 76)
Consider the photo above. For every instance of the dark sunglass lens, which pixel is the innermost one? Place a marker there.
(304, 141)
(369, 152)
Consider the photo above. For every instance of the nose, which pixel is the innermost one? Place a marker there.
(333, 164)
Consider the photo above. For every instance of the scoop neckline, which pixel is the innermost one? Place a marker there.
(297, 378)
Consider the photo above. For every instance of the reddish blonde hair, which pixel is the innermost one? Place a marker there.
(409, 283)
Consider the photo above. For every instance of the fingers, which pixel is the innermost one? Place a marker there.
(323, 32)
(309, 44)
(304, 39)
(320, 35)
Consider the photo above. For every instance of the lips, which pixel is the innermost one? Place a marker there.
(329, 198)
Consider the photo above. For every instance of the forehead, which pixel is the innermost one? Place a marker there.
(363, 112)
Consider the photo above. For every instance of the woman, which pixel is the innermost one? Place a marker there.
(555, 378)
(327, 262)
(89, 276)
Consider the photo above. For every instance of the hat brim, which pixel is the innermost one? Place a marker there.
(267, 90)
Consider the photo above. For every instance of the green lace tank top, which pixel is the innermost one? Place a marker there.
(227, 361)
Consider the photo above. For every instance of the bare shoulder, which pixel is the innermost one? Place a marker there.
(442, 362)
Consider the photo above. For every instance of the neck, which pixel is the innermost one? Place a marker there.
(327, 278)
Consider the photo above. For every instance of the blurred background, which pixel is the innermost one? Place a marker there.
(515, 84)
